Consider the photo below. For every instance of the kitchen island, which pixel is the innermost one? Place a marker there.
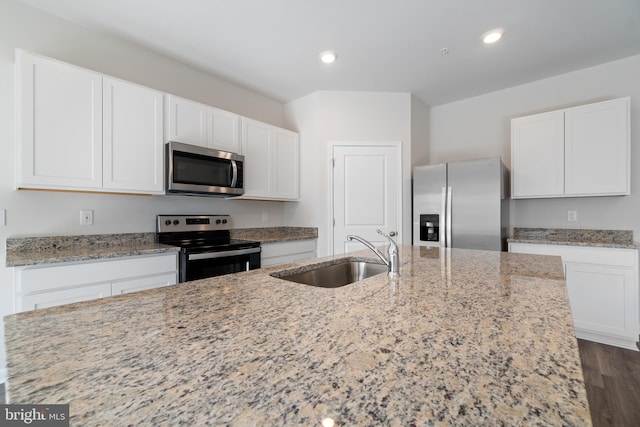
(462, 337)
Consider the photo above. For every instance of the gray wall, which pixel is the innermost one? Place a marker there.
(480, 126)
(346, 116)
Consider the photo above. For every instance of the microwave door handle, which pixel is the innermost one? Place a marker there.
(234, 173)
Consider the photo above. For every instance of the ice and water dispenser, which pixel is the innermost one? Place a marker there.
(430, 228)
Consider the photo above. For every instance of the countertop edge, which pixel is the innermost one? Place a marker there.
(49, 257)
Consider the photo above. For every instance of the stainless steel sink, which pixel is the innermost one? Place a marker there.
(333, 275)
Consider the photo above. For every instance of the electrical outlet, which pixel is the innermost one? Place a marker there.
(572, 215)
(86, 217)
(265, 216)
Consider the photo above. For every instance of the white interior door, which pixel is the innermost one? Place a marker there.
(367, 193)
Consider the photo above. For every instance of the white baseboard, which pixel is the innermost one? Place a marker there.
(623, 342)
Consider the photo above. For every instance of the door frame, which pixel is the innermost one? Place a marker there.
(397, 145)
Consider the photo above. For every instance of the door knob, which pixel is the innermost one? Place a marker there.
(392, 233)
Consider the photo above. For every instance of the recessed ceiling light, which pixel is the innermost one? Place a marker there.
(328, 56)
(492, 36)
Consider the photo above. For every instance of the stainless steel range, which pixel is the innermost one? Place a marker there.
(207, 247)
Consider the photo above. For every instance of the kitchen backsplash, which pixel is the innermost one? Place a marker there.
(64, 242)
(574, 235)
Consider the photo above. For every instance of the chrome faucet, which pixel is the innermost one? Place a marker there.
(393, 257)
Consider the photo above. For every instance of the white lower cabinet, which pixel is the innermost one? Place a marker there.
(603, 290)
(286, 252)
(52, 285)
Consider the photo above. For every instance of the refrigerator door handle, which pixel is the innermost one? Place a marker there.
(443, 211)
(449, 191)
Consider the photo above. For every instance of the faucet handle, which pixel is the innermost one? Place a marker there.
(391, 233)
(392, 244)
(392, 250)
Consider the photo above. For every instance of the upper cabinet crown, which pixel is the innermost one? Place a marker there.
(80, 130)
(580, 151)
(193, 123)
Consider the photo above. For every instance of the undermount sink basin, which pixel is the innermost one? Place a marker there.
(333, 275)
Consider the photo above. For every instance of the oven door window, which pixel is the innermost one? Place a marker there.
(201, 170)
(210, 267)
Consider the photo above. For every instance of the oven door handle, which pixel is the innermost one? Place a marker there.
(223, 254)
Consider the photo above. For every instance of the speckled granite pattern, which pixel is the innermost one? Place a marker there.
(23, 251)
(460, 338)
(275, 234)
(575, 237)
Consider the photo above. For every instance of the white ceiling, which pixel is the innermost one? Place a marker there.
(272, 46)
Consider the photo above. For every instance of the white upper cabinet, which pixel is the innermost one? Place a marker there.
(79, 130)
(185, 121)
(132, 142)
(580, 151)
(193, 123)
(597, 142)
(60, 128)
(286, 163)
(272, 158)
(537, 152)
(223, 130)
(258, 166)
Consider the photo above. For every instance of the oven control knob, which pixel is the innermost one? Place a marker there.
(217, 221)
(224, 221)
(176, 222)
(167, 222)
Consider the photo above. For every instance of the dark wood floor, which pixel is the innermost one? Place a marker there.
(612, 379)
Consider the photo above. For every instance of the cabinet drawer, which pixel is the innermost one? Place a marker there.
(581, 254)
(286, 248)
(35, 279)
(142, 283)
(65, 296)
(285, 252)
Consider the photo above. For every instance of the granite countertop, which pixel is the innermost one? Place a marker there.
(23, 251)
(462, 337)
(575, 237)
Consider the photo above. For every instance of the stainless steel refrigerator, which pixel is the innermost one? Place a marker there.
(461, 204)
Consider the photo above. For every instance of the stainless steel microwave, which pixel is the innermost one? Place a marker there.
(200, 171)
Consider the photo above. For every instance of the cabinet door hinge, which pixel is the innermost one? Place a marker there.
(333, 163)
